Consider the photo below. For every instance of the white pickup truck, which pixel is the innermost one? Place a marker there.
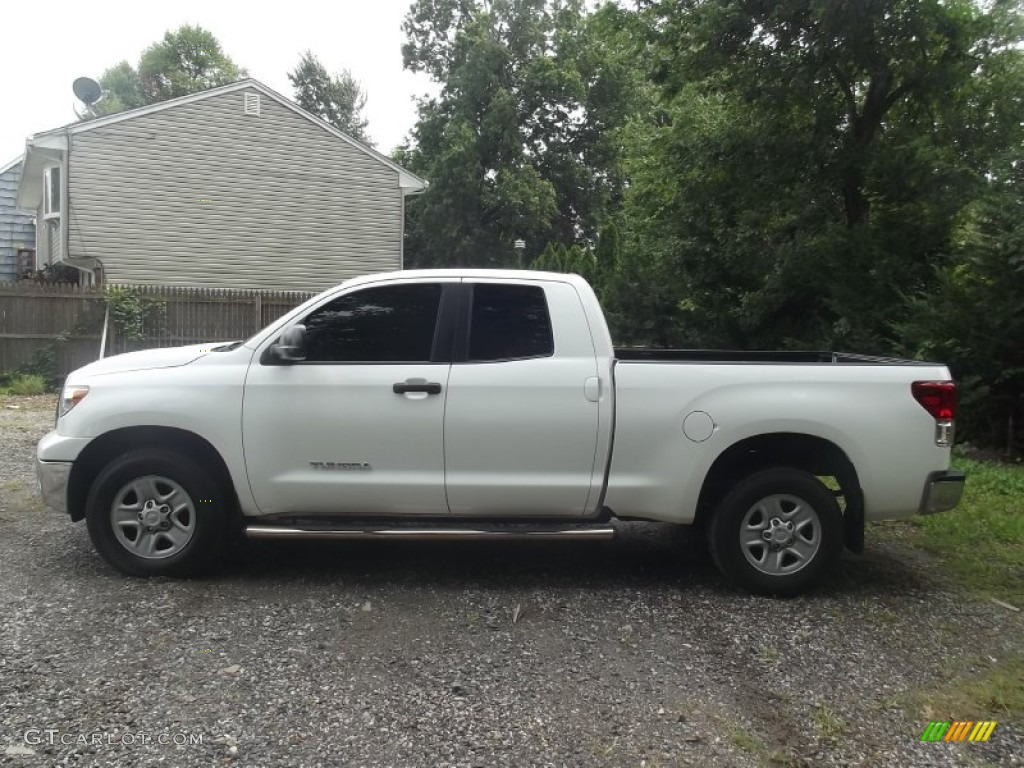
(479, 404)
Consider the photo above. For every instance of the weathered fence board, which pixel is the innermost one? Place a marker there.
(66, 321)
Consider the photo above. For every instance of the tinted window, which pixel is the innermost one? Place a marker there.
(509, 321)
(389, 324)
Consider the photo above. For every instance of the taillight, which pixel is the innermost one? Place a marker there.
(939, 399)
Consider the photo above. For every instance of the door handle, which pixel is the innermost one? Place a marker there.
(430, 387)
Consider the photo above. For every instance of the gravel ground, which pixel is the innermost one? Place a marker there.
(628, 653)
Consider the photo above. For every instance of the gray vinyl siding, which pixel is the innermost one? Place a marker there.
(16, 228)
(202, 194)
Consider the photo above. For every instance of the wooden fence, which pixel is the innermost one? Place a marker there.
(66, 321)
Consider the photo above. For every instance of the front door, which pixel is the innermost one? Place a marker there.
(357, 428)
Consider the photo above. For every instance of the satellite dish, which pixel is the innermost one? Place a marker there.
(87, 90)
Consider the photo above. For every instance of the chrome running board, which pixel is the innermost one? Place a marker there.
(428, 534)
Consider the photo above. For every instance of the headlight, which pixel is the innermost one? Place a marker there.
(70, 397)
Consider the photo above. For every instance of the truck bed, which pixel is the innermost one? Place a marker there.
(653, 355)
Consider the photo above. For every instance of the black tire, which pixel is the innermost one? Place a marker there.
(198, 516)
(763, 505)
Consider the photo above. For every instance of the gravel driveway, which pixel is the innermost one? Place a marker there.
(628, 653)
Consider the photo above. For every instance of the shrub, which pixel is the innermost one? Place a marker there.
(26, 384)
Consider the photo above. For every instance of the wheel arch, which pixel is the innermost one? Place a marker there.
(813, 454)
(101, 450)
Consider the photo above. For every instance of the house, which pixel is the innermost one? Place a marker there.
(233, 187)
(17, 228)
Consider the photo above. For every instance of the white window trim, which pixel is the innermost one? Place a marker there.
(47, 202)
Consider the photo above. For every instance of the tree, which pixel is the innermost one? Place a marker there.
(810, 160)
(573, 259)
(973, 320)
(338, 99)
(187, 60)
(520, 142)
(121, 90)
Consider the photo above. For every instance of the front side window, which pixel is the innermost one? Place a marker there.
(51, 191)
(509, 322)
(392, 323)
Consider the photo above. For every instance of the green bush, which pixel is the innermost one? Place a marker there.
(26, 384)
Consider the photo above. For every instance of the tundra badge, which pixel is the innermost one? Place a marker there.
(340, 465)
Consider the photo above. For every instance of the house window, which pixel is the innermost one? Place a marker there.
(252, 104)
(51, 191)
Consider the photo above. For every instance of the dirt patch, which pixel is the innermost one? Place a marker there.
(46, 403)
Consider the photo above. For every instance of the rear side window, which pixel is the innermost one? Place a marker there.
(509, 322)
(376, 325)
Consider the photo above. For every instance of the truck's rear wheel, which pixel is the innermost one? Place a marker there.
(777, 532)
(156, 513)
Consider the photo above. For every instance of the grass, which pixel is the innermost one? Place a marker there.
(884, 616)
(744, 740)
(981, 542)
(828, 725)
(24, 384)
(996, 694)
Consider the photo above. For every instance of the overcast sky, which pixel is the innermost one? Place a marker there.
(46, 46)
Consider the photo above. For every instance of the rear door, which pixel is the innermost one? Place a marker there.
(358, 427)
(521, 422)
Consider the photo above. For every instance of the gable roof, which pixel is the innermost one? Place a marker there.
(7, 166)
(409, 182)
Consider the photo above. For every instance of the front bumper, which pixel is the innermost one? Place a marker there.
(55, 455)
(942, 491)
(52, 477)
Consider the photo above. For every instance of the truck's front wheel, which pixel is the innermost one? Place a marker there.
(152, 512)
(777, 531)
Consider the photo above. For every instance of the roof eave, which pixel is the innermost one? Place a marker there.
(7, 166)
(39, 153)
(411, 184)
